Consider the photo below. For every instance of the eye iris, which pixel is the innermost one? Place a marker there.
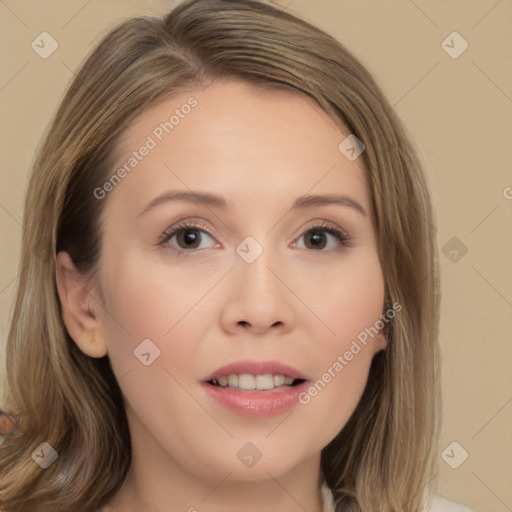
(188, 238)
(316, 239)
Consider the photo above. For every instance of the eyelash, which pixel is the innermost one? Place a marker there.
(327, 227)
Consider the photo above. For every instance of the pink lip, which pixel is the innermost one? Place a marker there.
(257, 368)
(256, 404)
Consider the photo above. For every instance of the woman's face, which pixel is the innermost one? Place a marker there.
(240, 236)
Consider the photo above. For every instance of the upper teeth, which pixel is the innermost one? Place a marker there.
(249, 381)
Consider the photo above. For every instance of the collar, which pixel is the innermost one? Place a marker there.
(328, 499)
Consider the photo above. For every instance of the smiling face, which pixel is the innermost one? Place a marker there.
(244, 234)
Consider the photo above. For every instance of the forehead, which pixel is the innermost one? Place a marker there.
(236, 137)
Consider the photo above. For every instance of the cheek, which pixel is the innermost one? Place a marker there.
(337, 386)
(332, 398)
(347, 298)
(144, 303)
(157, 385)
(349, 304)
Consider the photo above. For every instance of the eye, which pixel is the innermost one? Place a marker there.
(188, 237)
(321, 238)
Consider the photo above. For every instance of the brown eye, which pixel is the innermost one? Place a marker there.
(322, 238)
(315, 239)
(188, 238)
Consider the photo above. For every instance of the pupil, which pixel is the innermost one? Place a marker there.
(317, 239)
(189, 238)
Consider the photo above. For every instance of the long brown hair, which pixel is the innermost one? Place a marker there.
(384, 457)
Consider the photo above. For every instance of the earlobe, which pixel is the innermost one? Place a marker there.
(92, 344)
(380, 341)
(77, 308)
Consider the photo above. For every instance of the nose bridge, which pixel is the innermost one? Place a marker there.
(252, 269)
(258, 300)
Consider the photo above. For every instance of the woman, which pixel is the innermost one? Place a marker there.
(229, 289)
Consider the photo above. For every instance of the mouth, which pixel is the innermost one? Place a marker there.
(256, 389)
(255, 383)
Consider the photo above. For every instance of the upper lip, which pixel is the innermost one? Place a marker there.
(257, 368)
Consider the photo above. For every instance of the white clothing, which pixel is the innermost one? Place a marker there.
(438, 504)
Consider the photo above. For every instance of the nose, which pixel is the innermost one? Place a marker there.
(258, 302)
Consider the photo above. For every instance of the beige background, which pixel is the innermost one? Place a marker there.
(459, 112)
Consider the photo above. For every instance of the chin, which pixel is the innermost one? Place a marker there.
(275, 464)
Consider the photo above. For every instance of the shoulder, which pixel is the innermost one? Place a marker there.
(440, 504)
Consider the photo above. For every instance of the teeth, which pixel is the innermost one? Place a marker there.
(233, 381)
(264, 381)
(279, 380)
(246, 381)
(223, 381)
(249, 382)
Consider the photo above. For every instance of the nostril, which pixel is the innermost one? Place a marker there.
(244, 323)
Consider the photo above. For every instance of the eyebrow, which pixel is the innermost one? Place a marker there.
(213, 200)
(327, 199)
(187, 197)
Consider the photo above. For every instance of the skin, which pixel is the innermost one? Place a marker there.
(260, 149)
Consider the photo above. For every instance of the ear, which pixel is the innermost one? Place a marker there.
(380, 341)
(78, 306)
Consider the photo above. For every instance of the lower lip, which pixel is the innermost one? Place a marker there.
(256, 404)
